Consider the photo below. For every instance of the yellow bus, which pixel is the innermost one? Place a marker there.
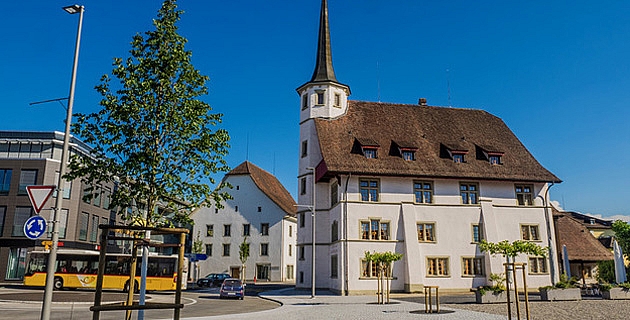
(78, 269)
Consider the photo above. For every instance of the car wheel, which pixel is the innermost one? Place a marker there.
(242, 298)
(58, 283)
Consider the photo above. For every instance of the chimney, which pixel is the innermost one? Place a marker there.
(422, 101)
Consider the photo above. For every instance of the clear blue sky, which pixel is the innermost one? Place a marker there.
(557, 72)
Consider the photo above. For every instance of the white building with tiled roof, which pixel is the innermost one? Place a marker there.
(261, 210)
(427, 182)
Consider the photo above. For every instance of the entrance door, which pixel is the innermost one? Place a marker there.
(235, 272)
(262, 272)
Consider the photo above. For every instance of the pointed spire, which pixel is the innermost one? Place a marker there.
(323, 67)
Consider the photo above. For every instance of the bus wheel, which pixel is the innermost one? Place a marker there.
(58, 283)
(136, 287)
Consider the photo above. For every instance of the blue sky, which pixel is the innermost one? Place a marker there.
(557, 72)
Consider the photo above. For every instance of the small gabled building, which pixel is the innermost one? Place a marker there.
(262, 211)
(428, 182)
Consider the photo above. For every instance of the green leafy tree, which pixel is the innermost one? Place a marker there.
(197, 245)
(153, 135)
(383, 261)
(511, 250)
(622, 234)
(243, 255)
(606, 271)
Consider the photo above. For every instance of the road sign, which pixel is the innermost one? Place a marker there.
(34, 227)
(39, 195)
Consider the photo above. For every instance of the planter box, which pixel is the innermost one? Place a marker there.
(491, 297)
(556, 294)
(616, 294)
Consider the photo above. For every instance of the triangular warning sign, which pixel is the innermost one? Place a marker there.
(39, 195)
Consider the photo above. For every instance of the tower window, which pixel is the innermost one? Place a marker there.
(304, 148)
(320, 97)
(305, 101)
(337, 100)
(303, 186)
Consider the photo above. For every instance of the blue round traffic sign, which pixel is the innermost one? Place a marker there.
(34, 227)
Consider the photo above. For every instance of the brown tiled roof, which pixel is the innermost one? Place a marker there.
(581, 245)
(268, 184)
(428, 128)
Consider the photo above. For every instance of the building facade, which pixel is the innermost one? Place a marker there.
(33, 158)
(261, 211)
(427, 182)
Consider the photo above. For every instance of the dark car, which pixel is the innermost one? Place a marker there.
(232, 288)
(212, 280)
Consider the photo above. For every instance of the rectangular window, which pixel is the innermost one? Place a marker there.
(374, 230)
(226, 249)
(477, 233)
(290, 231)
(530, 232)
(27, 178)
(209, 230)
(87, 193)
(264, 249)
(423, 191)
(438, 267)
(96, 201)
(5, 181)
(16, 264)
(3, 211)
(290, 272)
(301, 253)
(458, 158)
(334, 194)
(524, 194)
(304, 148)
(259, 209)
(264, 229)
(246, 228)
(537, 265)
(21, 215)
(369, 269)
(472, 267)
(290, 250)
(303, 186)
(302, 219)
(369, 190)
(426, 232)
(408, 155)
(494, 159)
(337, 100)
(107, 196)
(305, 101)
(301, 276)
(334, 268)
(469, 193)
(320, 97)
(209, 249)
(334, 231)
(369, 153)
(94, 231)
(83, 225)
(227, 230)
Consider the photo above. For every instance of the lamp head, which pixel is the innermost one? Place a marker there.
(75, 8)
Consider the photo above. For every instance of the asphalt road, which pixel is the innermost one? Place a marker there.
(25, 303)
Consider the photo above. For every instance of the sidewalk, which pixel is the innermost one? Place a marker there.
(297, 304)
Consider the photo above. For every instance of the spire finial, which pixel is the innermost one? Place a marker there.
(323, 67)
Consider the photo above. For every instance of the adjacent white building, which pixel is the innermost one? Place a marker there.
(427, 182)
(262, 211)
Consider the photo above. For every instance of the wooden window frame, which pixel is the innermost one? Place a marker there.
(529, 232)
(524, 198)
(435, 274)
(472, 260)
(468, 193)
(421, 191)
(424, 232)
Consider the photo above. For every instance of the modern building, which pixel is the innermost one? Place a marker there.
(428, 182)
(33, 158)
(261, 211)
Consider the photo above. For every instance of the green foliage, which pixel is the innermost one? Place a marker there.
(624, 286)
(383, 257)
(622, 234)
(606, 271)
(197, 246)
(153, 135)
(565, 282)
(243, 251)
(498, 284)
(605, 286)
(507, 249)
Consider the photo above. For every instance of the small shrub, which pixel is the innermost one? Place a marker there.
(497, 286)
(625, 286)
(605, 286)
(606, 271)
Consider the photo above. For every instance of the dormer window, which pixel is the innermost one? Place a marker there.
(320, 97)
(408, 155)
(494, 159)
(490, 154)
(458, 157)
(369, 152)
(406, 150)
(455, 151)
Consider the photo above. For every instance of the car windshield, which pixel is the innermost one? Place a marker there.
(232, 283)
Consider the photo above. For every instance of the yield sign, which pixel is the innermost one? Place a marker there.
(39, 195)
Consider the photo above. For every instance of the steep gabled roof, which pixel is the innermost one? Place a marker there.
(581, 244)
(268, 184)
(429, 129)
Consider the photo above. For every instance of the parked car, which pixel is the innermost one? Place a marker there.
(232, 288)
(212, 280)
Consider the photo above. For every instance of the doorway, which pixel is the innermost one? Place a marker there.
(235, 272)
(262, 272)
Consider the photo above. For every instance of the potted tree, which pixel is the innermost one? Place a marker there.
(564, 290)
(383, 261)
(494, 293)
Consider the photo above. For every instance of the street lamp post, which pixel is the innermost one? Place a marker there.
(313, 235)
(52, 257)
